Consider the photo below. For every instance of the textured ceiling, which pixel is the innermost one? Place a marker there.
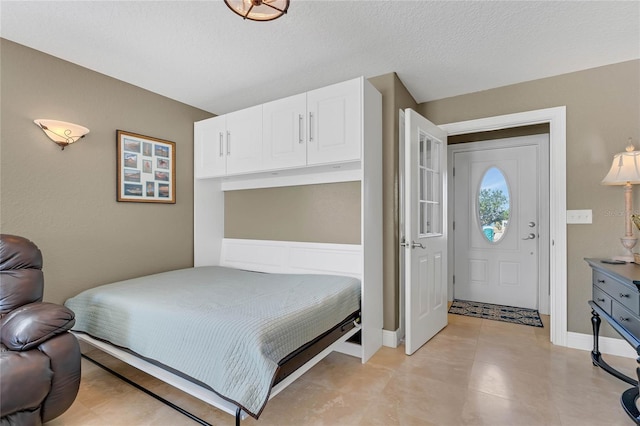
(200, 53)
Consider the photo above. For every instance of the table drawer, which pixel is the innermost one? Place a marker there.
(625, 318)
(627, 296)
(602, 299)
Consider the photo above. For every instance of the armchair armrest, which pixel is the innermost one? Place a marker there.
(32, 324)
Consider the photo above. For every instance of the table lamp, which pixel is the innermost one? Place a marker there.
(625, 170)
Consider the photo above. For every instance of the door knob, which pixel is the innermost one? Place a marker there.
(531, 236)
(413, 244)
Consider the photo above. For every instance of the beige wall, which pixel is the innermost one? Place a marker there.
(512, 132)
(328, 213)
(603, 111)
(65, 201)
(394, 97)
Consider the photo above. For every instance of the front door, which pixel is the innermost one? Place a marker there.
(425, 230)
(496, 226)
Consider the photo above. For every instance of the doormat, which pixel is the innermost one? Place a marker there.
(496, 312)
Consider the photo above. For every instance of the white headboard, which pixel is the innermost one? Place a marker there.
(292, 257)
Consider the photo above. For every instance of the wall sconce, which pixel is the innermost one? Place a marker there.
(625, 170)
(61, 132)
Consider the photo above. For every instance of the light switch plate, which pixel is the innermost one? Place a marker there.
(579, 216)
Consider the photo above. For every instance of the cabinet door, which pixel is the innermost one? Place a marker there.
(244, 140)
(335, 123)
(284, 132)
(209, 148)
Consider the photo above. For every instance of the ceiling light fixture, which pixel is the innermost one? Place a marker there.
(61, 132)
(259, 10)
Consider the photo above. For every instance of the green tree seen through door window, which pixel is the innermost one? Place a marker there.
(494, 207)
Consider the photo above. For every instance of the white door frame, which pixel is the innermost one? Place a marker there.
(543, 206)
(556, 117)
(401, 251)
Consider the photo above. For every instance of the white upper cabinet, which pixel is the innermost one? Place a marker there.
(244, 140)
(284, 134)
(320, 127)
(209, 149)
(228, 144)
(335, 123)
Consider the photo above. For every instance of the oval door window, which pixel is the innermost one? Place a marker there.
(493, 205)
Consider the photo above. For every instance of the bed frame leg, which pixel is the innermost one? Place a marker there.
(154, 395)
(238, 418)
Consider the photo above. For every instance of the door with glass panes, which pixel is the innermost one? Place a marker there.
(424, 234)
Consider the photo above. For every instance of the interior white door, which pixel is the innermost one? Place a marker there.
(425, 259)
(496, 226)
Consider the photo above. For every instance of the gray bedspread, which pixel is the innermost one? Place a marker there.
(225, 327)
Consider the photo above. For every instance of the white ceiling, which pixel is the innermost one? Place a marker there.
(202, 54)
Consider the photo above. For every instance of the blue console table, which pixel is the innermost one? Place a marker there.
(616, 299)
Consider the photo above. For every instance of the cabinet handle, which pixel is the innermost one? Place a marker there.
(300, 130)
(601, 281)
(624, 295)
(623, 319)
(221, 151)
(310, 127)
(228, 142)
(600, 300)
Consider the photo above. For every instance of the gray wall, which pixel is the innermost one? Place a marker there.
(603, 111)
(65, 201)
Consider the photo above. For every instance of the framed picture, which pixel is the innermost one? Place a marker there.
(146, 169)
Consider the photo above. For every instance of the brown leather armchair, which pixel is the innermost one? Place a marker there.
(39, 358)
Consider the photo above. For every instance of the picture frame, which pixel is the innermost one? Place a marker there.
(146, 169)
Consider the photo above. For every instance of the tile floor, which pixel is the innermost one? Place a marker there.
(474, 372)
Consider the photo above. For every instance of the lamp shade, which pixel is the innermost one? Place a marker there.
(61, 132)
(259, 10)
(624, 169)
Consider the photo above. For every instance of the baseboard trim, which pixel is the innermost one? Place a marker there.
(391, 339)
(607, 345)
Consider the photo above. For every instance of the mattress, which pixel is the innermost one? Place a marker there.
(225, 327)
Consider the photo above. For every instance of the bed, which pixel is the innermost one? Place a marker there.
(362, 260)
(235, 333)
